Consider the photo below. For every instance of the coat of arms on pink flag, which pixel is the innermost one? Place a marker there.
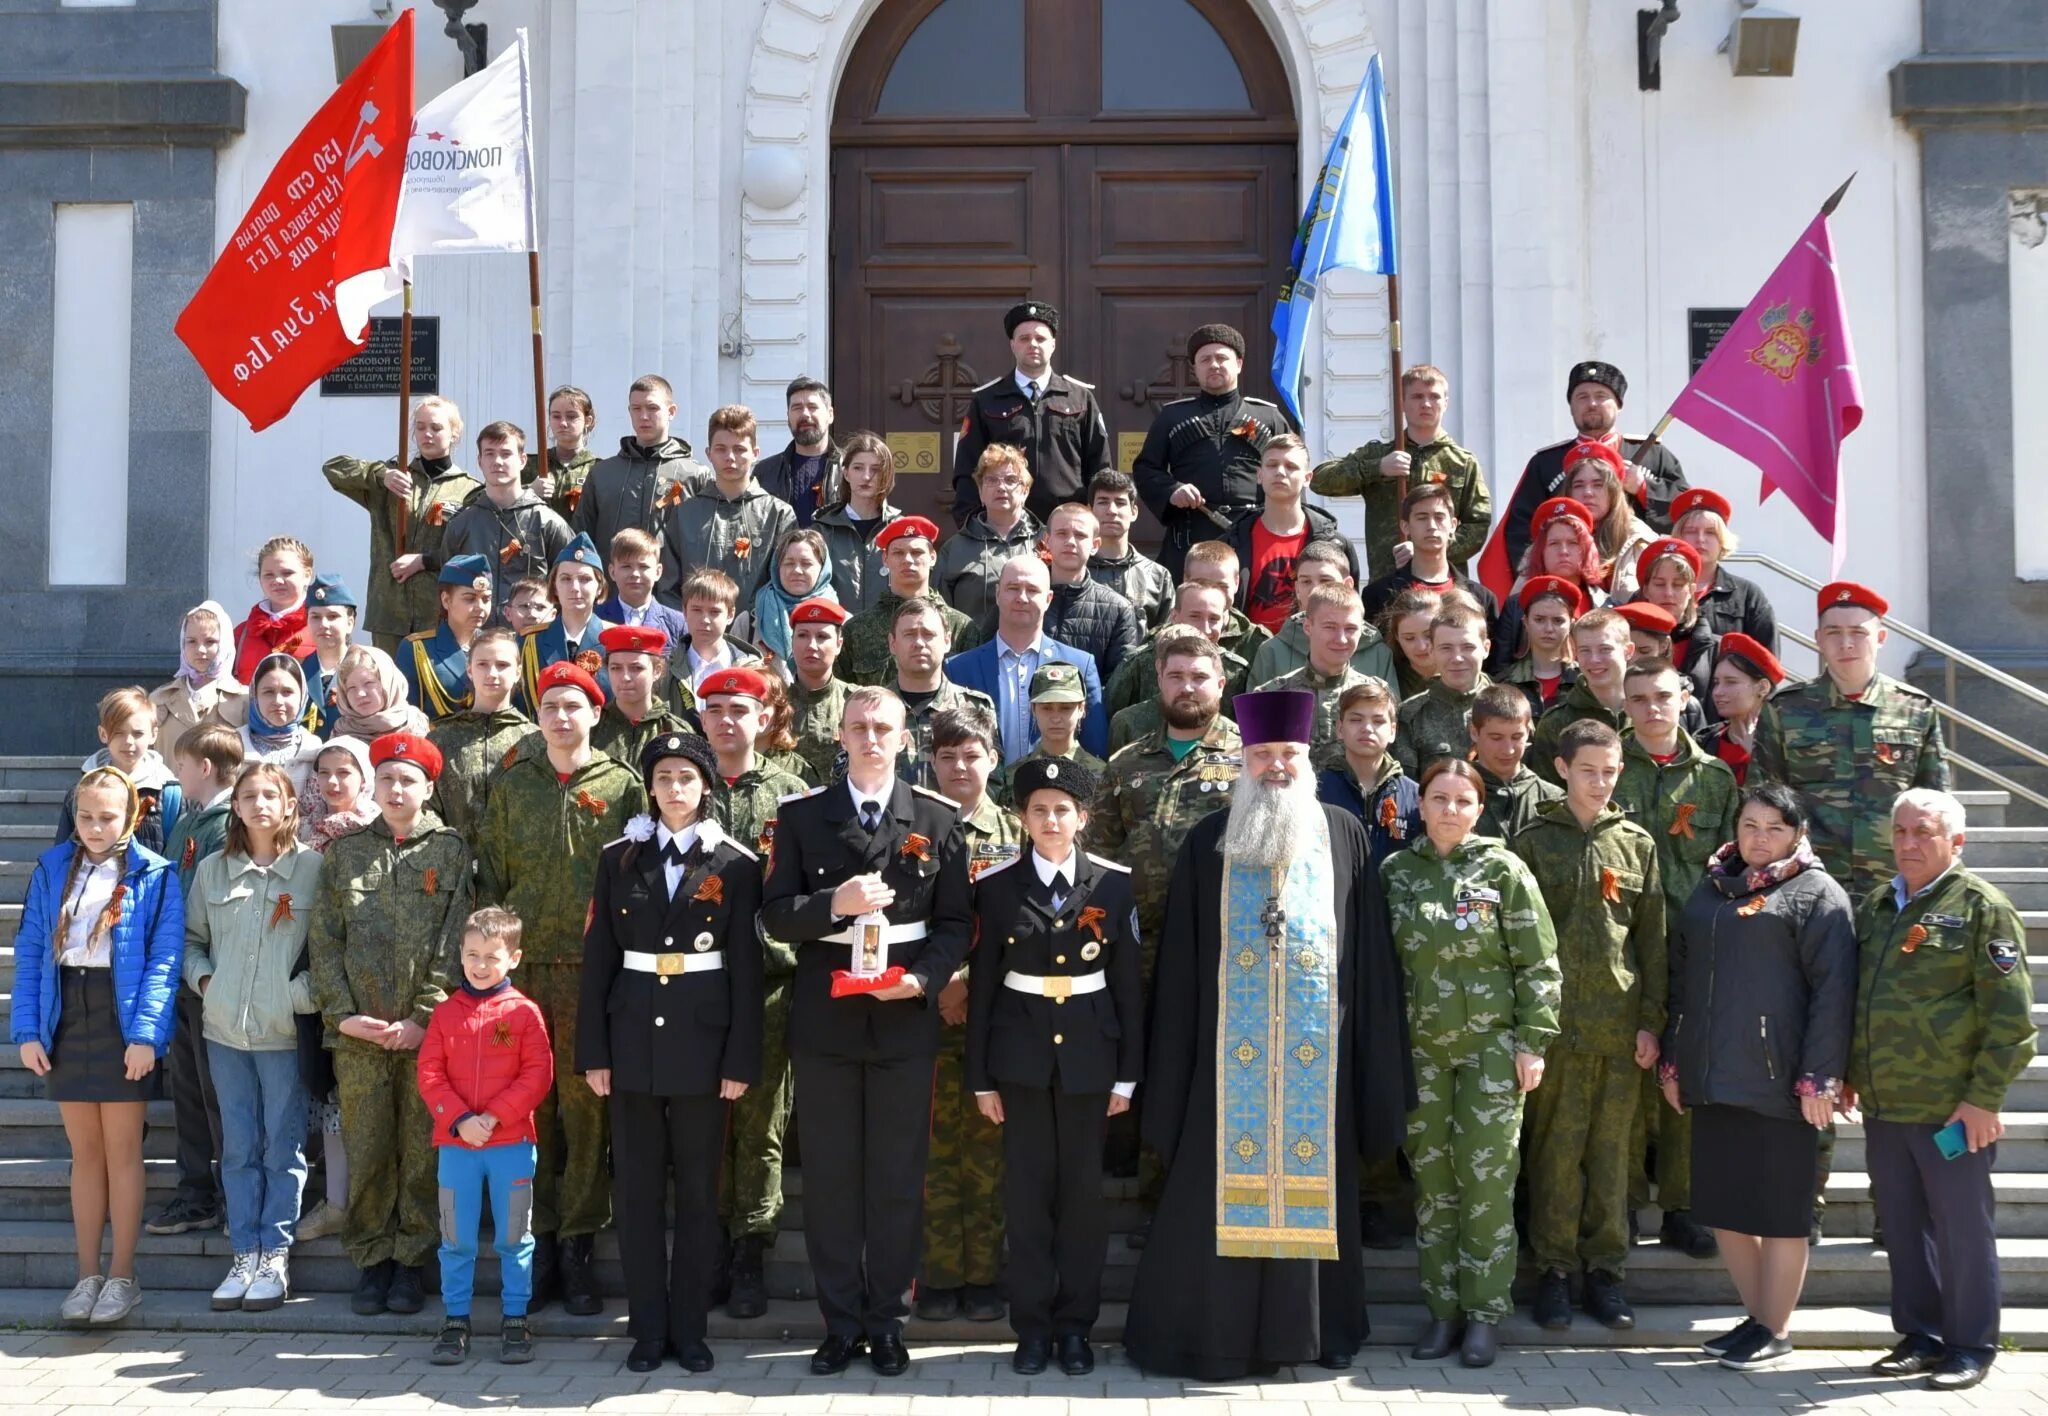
(1781, 388)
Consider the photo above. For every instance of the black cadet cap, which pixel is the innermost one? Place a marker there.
(691, 748)
(1594, 371)
(1030, 310)
(1037, 773)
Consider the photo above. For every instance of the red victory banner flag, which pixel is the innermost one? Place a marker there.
(290, 296)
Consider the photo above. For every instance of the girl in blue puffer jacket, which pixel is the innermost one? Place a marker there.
(96, 962)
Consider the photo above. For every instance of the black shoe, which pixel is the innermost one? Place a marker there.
(1877, 1231)
(1759, 1350)
(1915, 1354)
(547, 1272)
(1140, 1233)
(937, 1305)
(888, 1356)
(1375, 1231)
(373, 1291)
(183, 1213)
(1813, 1231)
(1439, 1340)
(1481, 1345)
(748, 1295)
(1695, 1241)
(646, 1355)
(579, 1277)
(1334, 1361)
(981, 1303)
(1031, 1356)
(1554, 1302)
(408, 1293)
(835, 1354)
(1960, 1370)
(1077, 1358)
(696, 1357)
(452, 1346)
(1604, 1300)
(1734, 1337)
(515, 1342)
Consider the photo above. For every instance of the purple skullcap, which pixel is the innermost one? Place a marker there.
(1275, 715)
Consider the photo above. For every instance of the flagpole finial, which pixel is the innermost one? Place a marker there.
(1827, 208)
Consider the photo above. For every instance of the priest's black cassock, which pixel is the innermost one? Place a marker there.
(1193, 1313)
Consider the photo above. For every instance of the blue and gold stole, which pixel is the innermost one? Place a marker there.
(1276, 1059)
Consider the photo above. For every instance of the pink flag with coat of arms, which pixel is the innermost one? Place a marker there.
(1781, 389)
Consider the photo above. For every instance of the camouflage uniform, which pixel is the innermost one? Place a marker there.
(621, 739)
(1434, 723)
(384, 941)
(1288, 650)
(815, 719)
(1481, 964)
(569, 477)
(1358, 474)
(1848, 759)
(391, 610)
(1134, 724)
(475, 747)
(1327, 688)
(999, 783)
(1689, 807)
(1607, 904)
(1511, 805)
(1136, 679)
(750, 1189)
(915, 765)
(1573, 704)
(963, 1178)
(864, 657)
(536, 854)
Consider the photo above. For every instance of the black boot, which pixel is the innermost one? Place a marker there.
(408, 1292)
(547, 1272)
(1554, 1302)
(1693, 1240)
(373, 1287)
(749, 1295)
(1374, 1229)
(1606, 1302)
(579, 1277)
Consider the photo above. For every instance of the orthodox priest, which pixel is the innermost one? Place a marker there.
(1278, 1059)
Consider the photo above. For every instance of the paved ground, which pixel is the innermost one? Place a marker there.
(50, 1374)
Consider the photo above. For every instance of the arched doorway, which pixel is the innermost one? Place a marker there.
(1131, 161)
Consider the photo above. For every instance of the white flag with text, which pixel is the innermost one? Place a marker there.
(469, 167)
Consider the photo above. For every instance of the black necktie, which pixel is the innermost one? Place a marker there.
(870, 816)
(1031, 389)
(1059, 892)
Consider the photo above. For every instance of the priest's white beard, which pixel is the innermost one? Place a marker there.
(1273, 826)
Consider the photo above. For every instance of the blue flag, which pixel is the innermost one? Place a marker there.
(1349, 222)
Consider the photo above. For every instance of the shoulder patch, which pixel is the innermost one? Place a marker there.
(798, 796)
(1107, 864)
(998, 868)
(2004, 954)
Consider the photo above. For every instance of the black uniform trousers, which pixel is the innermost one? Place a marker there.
(865, 1126)
(195, 1113)
(1940, 1234)
(667, 1293)
(1052, 1204)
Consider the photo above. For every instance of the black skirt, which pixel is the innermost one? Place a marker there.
(86, 1062)
(1751, 1173)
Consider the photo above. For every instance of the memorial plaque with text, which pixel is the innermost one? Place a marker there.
(374, 372)
(1703, 330)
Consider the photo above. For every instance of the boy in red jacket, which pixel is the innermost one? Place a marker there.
(483, 1069)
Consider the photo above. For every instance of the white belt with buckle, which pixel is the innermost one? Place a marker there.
(668, 965)
(891, 933)
(1057, 987)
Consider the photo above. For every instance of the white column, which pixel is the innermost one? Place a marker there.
(89, 358)
(2027, 264)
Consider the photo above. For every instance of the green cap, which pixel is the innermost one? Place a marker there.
(1057, 682)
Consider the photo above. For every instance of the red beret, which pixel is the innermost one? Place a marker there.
(407, 747)
(1694, 499)
(1589, 450)
(1848, 592)
(1750, 651)
(751, 682)
(818, 611)
(634, 638)
(1666, 546)
(564, 674)
(1643, 615)
(1553, 585)
(907, 526)
(1566, 508)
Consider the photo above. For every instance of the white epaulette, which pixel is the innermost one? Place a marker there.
(983, 388)
(798, 796)
(1262, 402)
(936, 796)
(1078, 383)
(1106, 863)
(999, 869)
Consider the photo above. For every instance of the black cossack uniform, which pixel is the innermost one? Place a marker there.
(1213, 443)
(669, 1039)
(1054, 1063)
(1064, 437)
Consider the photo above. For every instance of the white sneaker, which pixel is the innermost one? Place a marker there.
(117, 1300)
(235, 1286)
(272, 1285)
(78, 1303)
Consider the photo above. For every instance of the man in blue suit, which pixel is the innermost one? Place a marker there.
(1002, 668)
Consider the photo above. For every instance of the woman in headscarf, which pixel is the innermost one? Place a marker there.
(803, 571)
(276, 730)
(373, 698)
(204, 689)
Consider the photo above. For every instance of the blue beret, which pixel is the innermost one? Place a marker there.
(583, 551)
(465, 570)
(329, 593)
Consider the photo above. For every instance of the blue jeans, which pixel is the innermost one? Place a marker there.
(507, 1172)
(263, 1110)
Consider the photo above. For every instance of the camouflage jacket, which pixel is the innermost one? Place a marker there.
(999, 783)
(746, 809)
(1607, 906)
(1848, 759)
(1357, 474)
(569, 478)
(475, 747)
(1136, 679)
(437, 494)
(993, 836)
(386, 932)
(519, 540)
(1476, 945)
(1148, 803)
(1944, 1006)
(815, 719)
(1327, 688)
(1511, 806)
(864, 656)
(537, 849)
(1144, 582)
(1688, 806)
(708, 530)
(1288, 651)
(634, 487)
(623, 740)
(915, 765)
(1573, 704)
(1434, 723)
(1140, 720)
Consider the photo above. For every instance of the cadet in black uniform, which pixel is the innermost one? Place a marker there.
(1199, 468)
(669, 1028)
(866, 866)
(1055, 1041)
(1054, 418)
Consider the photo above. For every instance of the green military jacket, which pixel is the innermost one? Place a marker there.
(1434, 723)
(569, 478)
(1573, 704)
(815, 719)
(1139, 721)
(1476, 946)
(1607, 906)
(1327, 688)
(1688, 806)
(1288, 650)
(623, 740)
(537, 849)
(915, 765)
(385, 939)
(1136, 679)
(475, 747)
(864, 657)
(437, 494)
(1358, 474)
(1148, 802)
(1849, 759)
(1944, 1007)
(746, 809)
(1510, 806)
(999, 783)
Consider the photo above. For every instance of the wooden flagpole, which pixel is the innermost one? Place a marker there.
(543, 440)
(1394, 337)
(405, 410)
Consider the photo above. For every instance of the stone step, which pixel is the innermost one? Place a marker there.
(26, 806)
(40, 773)
(25, 842)
(31, 1127)
(14, 876)
(2006, 846)
(1985, 809)
(2025, 885)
